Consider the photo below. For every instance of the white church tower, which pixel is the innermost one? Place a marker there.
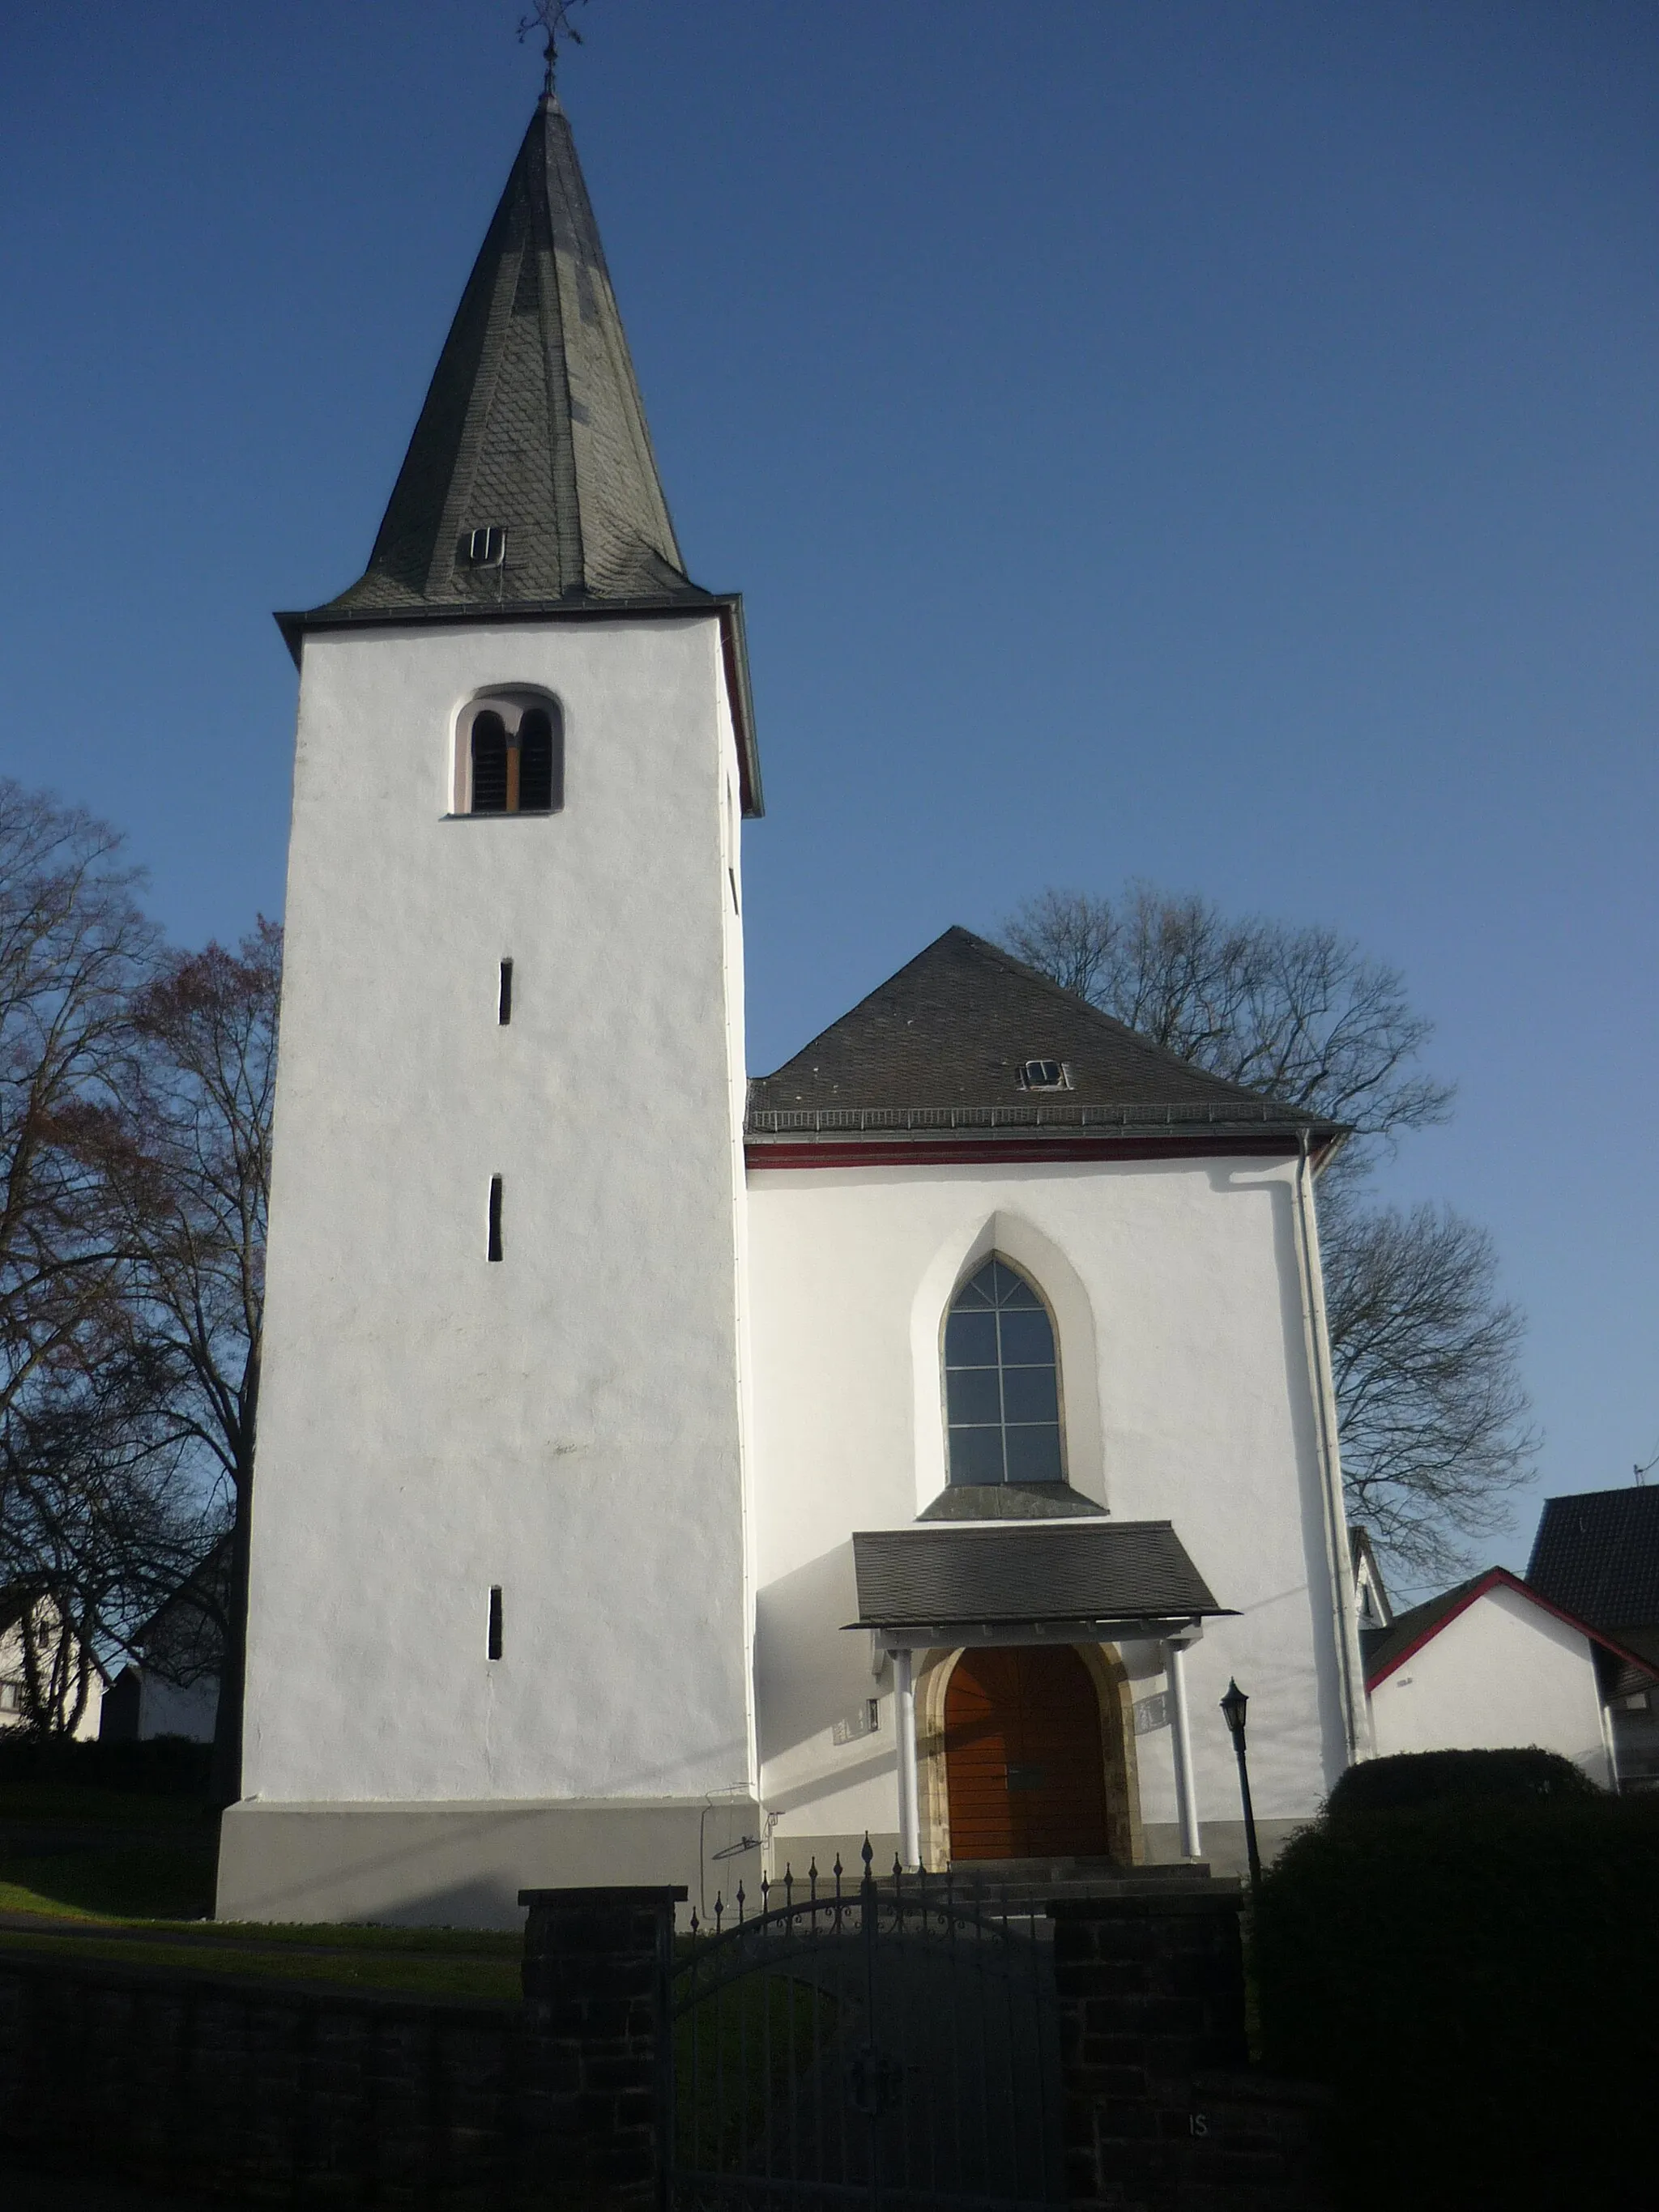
(498, 1614)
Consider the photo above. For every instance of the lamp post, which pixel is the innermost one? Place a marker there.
(1232, 1706)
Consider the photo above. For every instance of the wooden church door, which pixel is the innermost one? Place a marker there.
(1023, 1767)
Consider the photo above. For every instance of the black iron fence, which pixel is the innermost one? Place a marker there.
(891, 2043)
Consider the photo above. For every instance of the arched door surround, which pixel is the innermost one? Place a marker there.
(1079, 1720)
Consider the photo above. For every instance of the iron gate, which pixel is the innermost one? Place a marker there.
(887, 2043)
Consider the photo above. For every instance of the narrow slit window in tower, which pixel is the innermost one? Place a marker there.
(504, 1003)
(495, 1217)
(494, 1621)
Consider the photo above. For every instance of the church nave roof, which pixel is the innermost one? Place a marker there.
(966, 1037)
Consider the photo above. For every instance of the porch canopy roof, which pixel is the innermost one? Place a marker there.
(1027, 1582)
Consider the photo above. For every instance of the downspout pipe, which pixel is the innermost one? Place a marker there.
(1350, 1672)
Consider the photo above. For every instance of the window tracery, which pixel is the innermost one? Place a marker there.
(1001, 1381)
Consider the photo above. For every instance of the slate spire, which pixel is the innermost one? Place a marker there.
(532, 427)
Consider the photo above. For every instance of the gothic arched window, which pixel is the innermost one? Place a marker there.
(1001, 1381)
(509, 756)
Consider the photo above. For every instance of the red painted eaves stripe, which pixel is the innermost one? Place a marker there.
(924, 1151)
(1501, 1579)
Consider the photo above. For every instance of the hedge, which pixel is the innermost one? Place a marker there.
(1429, 1777)
(1475, 1981)
(166, 1765)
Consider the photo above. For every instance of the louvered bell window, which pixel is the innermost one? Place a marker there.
(488, 764)
(513, 757)
(1001, 1381)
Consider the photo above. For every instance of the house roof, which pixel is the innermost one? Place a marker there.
(940, 1045)
(1025, 1574)
(1386, 1648)
(1596, 1554)
(1367, 1574)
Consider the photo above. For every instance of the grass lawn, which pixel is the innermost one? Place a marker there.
(128, 1879)
(76, 1853)
(416, 1968)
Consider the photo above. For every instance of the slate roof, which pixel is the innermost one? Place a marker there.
(533, 424)
(1025, 1572)
(1010, 1501)
(1597, 1555)
(939, 1046)
(1385, 1648)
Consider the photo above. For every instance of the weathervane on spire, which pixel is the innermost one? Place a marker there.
(554, 18)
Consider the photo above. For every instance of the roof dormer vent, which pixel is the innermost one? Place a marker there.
(483, 549)
(1044, 1075)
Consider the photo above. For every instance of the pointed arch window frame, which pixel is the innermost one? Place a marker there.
(955, 1475)
(512, 704)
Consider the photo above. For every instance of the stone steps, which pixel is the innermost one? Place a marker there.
(1029, 1881)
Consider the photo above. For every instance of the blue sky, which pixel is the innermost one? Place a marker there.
(1209, 442)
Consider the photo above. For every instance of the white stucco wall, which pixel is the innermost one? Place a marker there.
(1187, 1397)
(564, 1424)
(1504, 1673)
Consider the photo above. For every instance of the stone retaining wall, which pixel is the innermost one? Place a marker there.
(267, 2093)
(1160, 2111)
(314, 2096)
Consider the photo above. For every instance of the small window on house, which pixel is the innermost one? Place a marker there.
(1001, 1381)
(509, 756)
(1044, 1075)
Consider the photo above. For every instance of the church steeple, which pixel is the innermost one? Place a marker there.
(530, 480)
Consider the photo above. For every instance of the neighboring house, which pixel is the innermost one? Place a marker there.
(1596, 1554)
(68, 1674)
(1492, 1664)
(1370, 1597)
(654, 1462)
(173, 1687)
(141, 1704)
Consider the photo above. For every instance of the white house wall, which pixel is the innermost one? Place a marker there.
(564, 1424)
(1504, 1673)
(1187, 1397)
(174, 1709)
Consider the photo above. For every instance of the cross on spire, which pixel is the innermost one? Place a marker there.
(554, 18)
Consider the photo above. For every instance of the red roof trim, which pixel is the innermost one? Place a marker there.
(1501, 1579)
(924, 1151)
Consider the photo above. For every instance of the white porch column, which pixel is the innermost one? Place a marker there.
(1175, 1666)
(904, 1729)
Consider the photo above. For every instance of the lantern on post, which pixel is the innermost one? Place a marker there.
(1232, 1707)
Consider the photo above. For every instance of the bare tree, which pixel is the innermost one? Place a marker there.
(195, 1183)
(74, 949)
(98, 1523)
(1299, 1014)
(1423, 1353)
(1424, 1359)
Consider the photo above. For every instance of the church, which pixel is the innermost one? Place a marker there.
(667, 1475)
